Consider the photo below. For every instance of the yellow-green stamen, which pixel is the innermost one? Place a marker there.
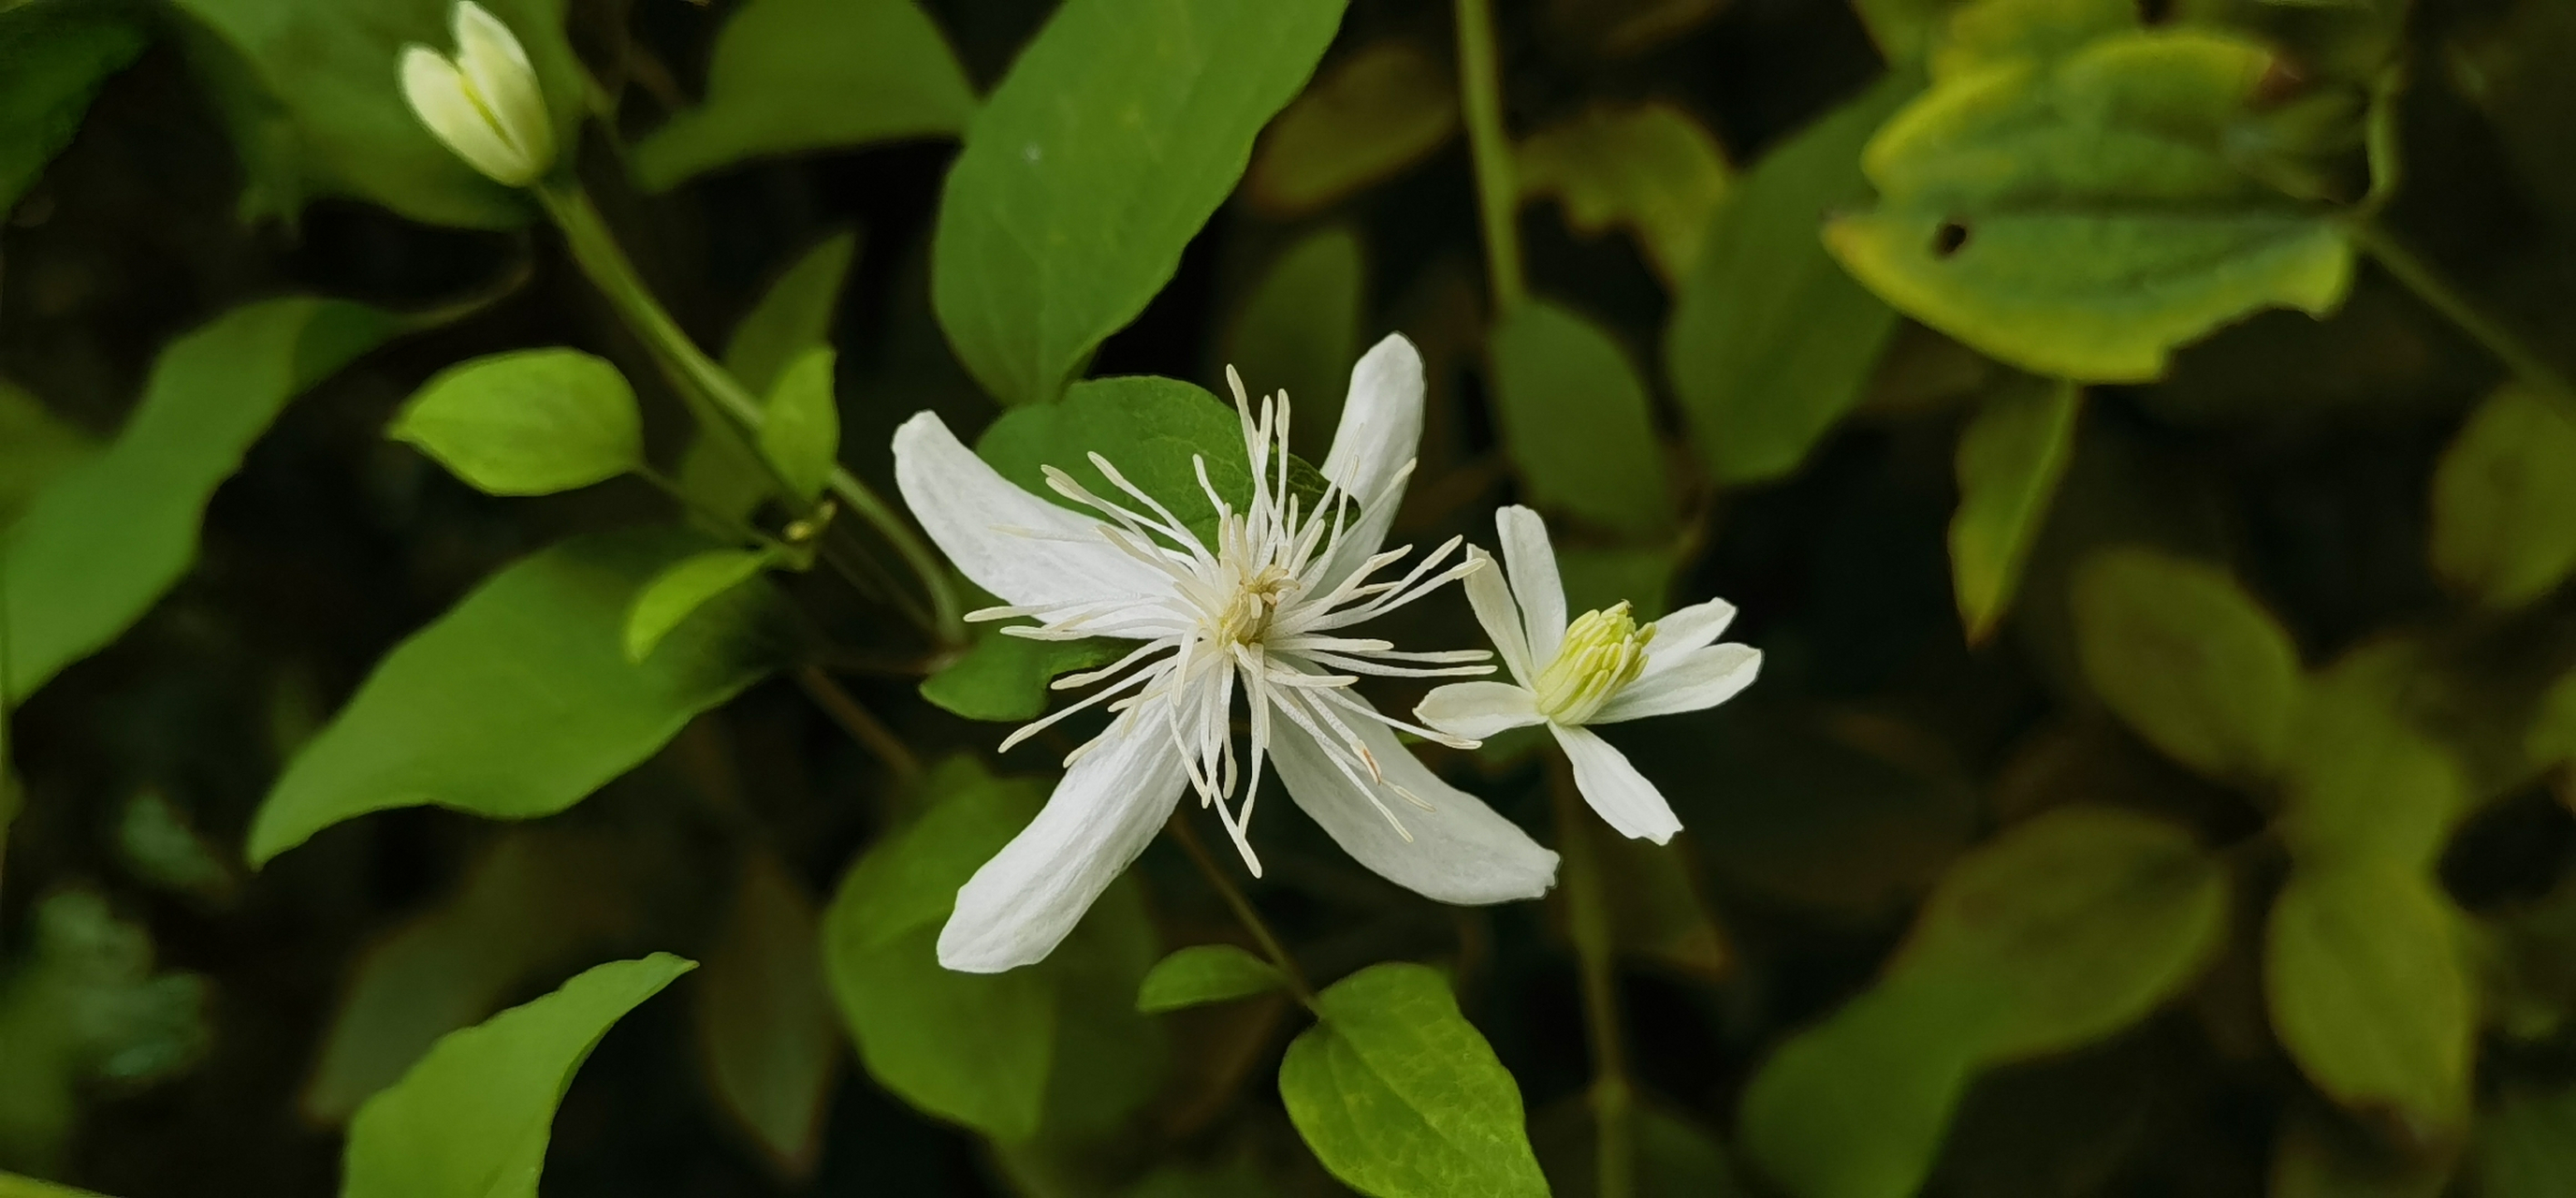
(1604, 651)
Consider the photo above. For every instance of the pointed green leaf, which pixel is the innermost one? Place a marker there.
(1399, 1095)
(55, 55)
(2360, 782)
(1380, 109)
(793, 317)
(1202, 974)
(680, 590)
(1577, 420)
(530, 422)
(2011, 458)
(802, 432)
(325, 80)
(1299, 330)
(15, 1186)
(2526, 1145)
(93, 552)
(2504, 502)
(35, 449)
(520, 701)
(2188, 659)
(1650, 168)
(766, 1028)
(1004, 678)
(1856, 1106)
(1770, 342)
(2081, 216)
(2368, 992)
(473, 1118)
(1094, 163)
(794, 76)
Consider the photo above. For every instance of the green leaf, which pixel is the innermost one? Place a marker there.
(55, 55)
(2361, 783)
(1152, 429)
(2190, 661)
(793, 317)
(1650, 168)
(520, 701)
(2504, 502)
(2368, 992)
(1202, 974)
(1094, 163)
(1856, 1106)
(1010, 1054)
(1577, 420)
(35, 449)
(473, 1118)
(94, 550)
(2081, 216)
(1400, 1097)
(794, 76)
(2011, 458)
(2526, 1145)
(14, 1186)
(1299, 330)
(326, 75)
(2318, 1156)
(1004, 678)
(801, 435)
(766, 1028)
(1380, 109)
(680, 590)
(1770, 342)
(529, 422)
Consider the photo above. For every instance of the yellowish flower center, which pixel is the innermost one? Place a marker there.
(1603, 652)
(1256, 598)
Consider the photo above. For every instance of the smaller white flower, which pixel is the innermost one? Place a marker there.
(484, 103)
(1600, 669)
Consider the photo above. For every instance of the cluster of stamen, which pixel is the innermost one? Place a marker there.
(1604, 651)
(1256, 610)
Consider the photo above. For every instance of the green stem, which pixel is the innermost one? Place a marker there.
(1179, 826)
(1613, 1100)
(862, 724)
(697, 375)
(1480, 88)
(2428, 285)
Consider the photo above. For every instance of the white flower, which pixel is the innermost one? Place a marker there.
(484, 103)
(1599, 670)
(1266, 610)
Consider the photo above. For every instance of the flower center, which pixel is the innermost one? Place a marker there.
(1603, 652)
(1257, 597)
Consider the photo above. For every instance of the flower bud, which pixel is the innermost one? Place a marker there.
(1604, 651)
(484, 103)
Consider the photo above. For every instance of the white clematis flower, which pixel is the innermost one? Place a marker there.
(1601, 669)
(1266, 610)
(484, 103)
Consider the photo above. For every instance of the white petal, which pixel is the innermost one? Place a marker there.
(1478, 709)
(1703, 677)
(1461, 852)
(1380, 432)
(1615, 789)
(1690, 628)
(436, 92)
(1023, 902)
(491, 59)
(963, 503)
(1531, 562)
(1491, 597)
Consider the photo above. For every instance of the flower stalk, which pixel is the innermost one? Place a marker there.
(1480, 89)
(1244, 912)
(1588, 918)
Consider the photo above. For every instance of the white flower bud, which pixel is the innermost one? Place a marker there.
(484, 103)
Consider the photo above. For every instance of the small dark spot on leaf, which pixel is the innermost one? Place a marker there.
(2281, 80)
(1949, 238)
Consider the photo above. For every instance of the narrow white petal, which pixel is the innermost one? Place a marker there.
(1491, 597)
(1461, 852)
(492, 60)
(1622, 796)
(1531, 562)
(1703, 677)
(1381, 430)
(1023, 902)
(966, 505)
(1477, 710)
(1690, 628)
(436, 92)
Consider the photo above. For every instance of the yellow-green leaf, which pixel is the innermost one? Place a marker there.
(531, 422)
(2504, 502)
(2011, 458)
(1577, 420)
(680, 590)
(1382, 108)
(801, 434)
(2188, 660)
(2368, 992)
(1202, 974)
(1650, 168)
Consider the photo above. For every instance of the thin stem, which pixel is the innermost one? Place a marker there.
(2428, 285)
(1179, 826)
(696, 374)
(1480, 90)
(862, 724)
(1615, 1151)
